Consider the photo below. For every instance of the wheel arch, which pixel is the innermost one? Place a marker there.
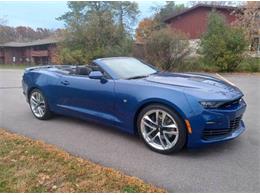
(33, 88)
(30, 91)
(166, 103)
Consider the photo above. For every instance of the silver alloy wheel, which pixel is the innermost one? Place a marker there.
(37, 104)
(159, 129)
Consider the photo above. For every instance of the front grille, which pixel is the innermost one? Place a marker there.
(215, 133)
(234, 124)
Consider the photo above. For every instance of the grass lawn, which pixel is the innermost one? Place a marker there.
(13, 66)
(33, 166)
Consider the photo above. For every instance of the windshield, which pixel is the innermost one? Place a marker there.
(127, 68)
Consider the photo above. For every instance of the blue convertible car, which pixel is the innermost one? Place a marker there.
(168, 110)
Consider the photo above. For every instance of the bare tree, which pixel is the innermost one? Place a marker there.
(248, 17)
(6, 33)
(216, 3)
(22, 33)
(3, 21)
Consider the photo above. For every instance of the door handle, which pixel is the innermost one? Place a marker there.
(65, 82)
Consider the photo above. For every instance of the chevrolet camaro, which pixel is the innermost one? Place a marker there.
(168, 110)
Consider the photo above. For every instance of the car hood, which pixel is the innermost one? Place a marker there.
(202, 86)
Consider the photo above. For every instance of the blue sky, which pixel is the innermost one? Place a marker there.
(43, 13)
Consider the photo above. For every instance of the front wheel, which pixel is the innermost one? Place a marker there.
(161, 129)
(39, 106)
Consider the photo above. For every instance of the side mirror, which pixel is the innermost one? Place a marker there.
(96, 75)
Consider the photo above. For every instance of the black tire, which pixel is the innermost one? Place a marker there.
(47, 114)
(180, 123)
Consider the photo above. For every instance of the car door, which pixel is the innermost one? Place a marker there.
(85, 97)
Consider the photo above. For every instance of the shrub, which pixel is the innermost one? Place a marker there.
(249, 64)
(68, 56)
(222, 45)
(195, 64)
(166, 48)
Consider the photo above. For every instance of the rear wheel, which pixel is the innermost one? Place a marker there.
(38, 105)
(161, 129)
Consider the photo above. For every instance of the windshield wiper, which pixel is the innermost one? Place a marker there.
(137, 77)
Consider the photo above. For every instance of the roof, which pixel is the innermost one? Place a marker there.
(50, 40)
(197, 6)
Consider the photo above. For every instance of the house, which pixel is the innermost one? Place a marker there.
(193, 21)
(37, 52)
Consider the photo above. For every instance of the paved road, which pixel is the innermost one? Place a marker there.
(229, 167)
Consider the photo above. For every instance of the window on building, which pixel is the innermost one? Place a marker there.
(40, 47)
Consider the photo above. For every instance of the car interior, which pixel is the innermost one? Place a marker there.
(80, 70)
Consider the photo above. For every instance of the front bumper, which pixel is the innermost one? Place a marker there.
(216, 125)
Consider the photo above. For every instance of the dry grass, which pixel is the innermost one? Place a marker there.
(33, 166)
(13, 66)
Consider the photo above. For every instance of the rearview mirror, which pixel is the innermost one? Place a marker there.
(96, 75)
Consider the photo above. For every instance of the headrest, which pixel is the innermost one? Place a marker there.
(83, 70)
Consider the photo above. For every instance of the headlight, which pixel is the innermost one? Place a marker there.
(211, 104)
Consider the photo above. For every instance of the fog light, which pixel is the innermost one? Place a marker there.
(210, 122)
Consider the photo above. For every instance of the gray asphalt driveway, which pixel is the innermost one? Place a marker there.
(229, 167)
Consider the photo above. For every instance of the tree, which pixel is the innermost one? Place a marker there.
(156, 22)
(165, 11)
(222, 46)
(126, 13)
(248, 18)
(22, 33)
(216, 3)
(96, 29)
(162, 46)
(166, 48)
(2, 21)
(144, 29)
(6, 34)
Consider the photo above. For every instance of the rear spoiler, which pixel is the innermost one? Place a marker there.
(46, 66)
(37, 67)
